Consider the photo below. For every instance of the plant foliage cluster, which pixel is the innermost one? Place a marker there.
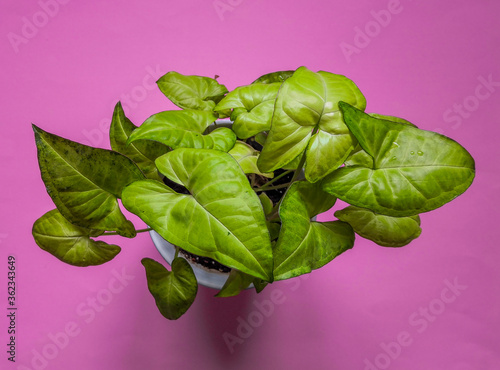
(208, 188)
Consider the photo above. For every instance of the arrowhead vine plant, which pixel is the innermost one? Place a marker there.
(246, 196)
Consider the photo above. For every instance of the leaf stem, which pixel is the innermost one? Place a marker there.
(137, 231)
(265, 186)
(273, 187)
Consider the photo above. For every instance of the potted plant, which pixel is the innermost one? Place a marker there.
(245, 196)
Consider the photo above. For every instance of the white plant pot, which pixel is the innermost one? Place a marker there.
(205, 276)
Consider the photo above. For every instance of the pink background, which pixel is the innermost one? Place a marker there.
(65, 65)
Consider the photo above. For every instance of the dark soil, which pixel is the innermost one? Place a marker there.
(205, 262)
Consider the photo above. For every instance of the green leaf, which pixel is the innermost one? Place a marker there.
(174, 291)
(142, 153)
(392, 119)
(306, 118)
(259, 285)
(267, 203)
(358, 156)
(305, 245)
(85, 182)
(260, 138)
(184, 129)
(221, 219)
(246, 156)
(252, 106)
(273, 77)
(414, 171)
(235, 284)
(273, 226)
(386, 231)
(70, 243)
(191, 92)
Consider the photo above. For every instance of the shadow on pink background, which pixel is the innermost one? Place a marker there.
(431, 305)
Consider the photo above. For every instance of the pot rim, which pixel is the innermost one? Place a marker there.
(206, 277)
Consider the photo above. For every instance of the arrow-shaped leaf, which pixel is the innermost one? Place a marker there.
(142, 153)
(184, 129)
(386, 231)
(246, 156)
(174, 291)
(273, 77)
(306, 118)
(414, 171)
(85, 182)
(70, 243)
(305, 245)
(252, 106)
(191, 92)
(222, 218)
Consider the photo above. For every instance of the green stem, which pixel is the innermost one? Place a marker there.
(137, 231)
(176, 252)
(264, 187)
(281, 186)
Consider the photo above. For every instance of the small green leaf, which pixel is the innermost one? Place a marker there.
(252, 106)
(414, 171)
(235, 284)
(305, 245)
(174, 291)
(307, 118)
(273, 77)
(184, 129)
(268, 206)
(70, 243)
(359, 157)
(142, 153)
(267, 203)
(85, 182)
(246, 156)
(191, 92)
(386, 231)
(221, 218)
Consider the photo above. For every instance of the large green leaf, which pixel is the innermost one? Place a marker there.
(184, 129)
(191, 92)
(142, 153)
(306, 118)
(273, 77)
(305, 245)
(85, 182)
(386, 231)
(414, 171)
(252, 106)
(246, 156)
(221, 218)
(70, 243)
(174, 291)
